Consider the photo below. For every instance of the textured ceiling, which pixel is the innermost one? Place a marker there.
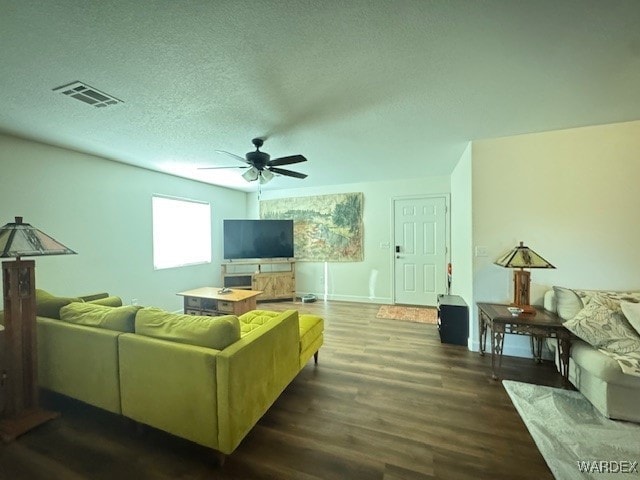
(366, 90)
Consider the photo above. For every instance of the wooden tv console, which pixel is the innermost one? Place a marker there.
(275, 278)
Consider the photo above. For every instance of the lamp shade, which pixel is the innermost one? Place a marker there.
(522, 256)
(265, 176)
(251, 174)
(22, 240)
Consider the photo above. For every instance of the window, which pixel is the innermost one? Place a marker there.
(181, 232)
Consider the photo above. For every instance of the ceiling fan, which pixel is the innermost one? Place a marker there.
(259, 165)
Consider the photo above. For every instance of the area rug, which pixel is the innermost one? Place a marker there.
(574, 438)
(408, 314)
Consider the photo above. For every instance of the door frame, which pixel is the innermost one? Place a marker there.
(447, 232)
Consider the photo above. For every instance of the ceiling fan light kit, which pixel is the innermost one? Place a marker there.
(251, 174)
(261, 167)
(265, 176)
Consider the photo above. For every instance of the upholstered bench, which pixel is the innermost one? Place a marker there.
(311, 331)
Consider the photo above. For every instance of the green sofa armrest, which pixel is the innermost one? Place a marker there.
(49, 305)
(170, 386)
(80, 362)
(252, 373)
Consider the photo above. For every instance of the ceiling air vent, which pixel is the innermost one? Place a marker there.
(87, 94)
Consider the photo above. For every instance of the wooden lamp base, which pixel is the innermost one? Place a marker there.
(21, 411)
(521, 287)
(12, 427)
(526, 309)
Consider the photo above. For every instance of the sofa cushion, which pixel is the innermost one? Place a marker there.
(602, 325)
(48, 305)
(254, 319)
(120, 319)
(110, 301)
(311, 327)
(616, 297)
(600, 365)
(568, 303)
(211, 332)
(632, 313)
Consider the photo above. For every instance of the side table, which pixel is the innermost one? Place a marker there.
(541, 325)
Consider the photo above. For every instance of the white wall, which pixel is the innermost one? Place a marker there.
(462, 231)
(371, 279)
(572, 196)
(102, 210)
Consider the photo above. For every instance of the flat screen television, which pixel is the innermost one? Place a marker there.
(258, 239)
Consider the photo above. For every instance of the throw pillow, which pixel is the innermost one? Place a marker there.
(586, 295)
(211, 332)
(120, 319)
(48, 305)
(632, 313)
(604, 327)
(568, 303)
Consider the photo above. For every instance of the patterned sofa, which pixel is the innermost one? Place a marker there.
(605, 357)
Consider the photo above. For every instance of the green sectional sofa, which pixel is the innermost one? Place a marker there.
(205, 379)
(74, 359)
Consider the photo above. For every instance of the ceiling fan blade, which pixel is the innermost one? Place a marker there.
(288, 173)
(217, 168)
(237, 157)
(286, 160)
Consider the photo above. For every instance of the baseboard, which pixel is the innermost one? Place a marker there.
(511, 351)
(514, 351)
(349, 298)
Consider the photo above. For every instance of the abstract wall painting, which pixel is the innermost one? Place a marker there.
(327, 228)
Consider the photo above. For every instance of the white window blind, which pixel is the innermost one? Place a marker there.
(181, 232)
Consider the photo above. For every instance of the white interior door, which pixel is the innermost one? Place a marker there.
(420, 250)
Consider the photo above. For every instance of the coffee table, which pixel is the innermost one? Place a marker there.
(210, 301)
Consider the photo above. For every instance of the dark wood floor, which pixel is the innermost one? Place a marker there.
(387, 401)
